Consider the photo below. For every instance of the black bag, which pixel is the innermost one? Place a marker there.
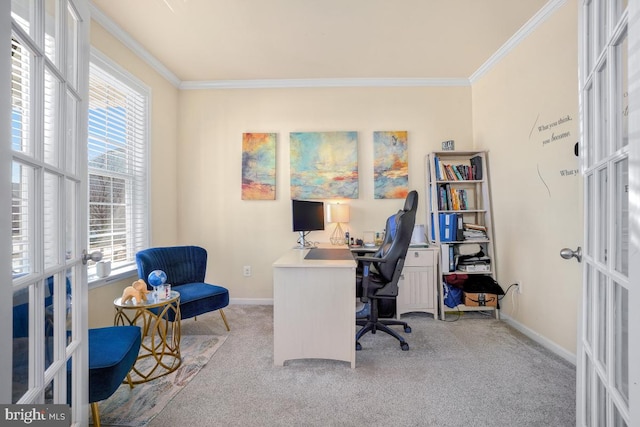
(482, 284)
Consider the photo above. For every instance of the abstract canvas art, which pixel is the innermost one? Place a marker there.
(390, 165)
(258, 166)
(324, 165)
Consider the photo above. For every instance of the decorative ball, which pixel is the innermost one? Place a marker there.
(157, 278)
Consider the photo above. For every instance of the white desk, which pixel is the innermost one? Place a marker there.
(313, 308)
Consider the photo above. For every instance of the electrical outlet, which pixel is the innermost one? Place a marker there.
(519, 287)
(246, 270)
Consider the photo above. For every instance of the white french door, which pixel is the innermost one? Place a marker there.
(607, 380)
(46, 138)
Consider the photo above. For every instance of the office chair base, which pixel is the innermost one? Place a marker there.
(373, 327)
(387, 322)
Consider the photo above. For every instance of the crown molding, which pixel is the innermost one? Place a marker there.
(321, 83)
(136, 47)
(528, 28)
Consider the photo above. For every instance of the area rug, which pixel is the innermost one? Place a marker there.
(136, 407)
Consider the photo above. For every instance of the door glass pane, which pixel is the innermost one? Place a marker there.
(51, 29)
(70, 219)
(72, 48)
(603, 24)
(621, 212)
(587, 376)
(621, 340)
(589, 217)
(20, 383)
(51, 110)
(589, 132)
(588, 36)
(618, 421)
(49, 318)
(70, 376)
(57, 286)
(588, 307)
(602, 113)
(22, 227)
(21, 60)
(23, 342)
(51, 220)
(603, 212)
(601, 319)
(601, 403)
(620, 6)
(70, 133)
(70, 279)
(22, 12)
(622, 94)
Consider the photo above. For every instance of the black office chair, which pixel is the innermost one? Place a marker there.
(381, 272)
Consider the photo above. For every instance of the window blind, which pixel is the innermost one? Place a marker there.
(22, 174)
(117, 165)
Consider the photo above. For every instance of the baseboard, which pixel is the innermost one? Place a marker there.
(251, 301)
(546, 343)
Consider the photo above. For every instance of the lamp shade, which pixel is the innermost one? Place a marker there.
(338, 213)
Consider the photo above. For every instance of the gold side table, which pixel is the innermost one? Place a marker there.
(160, 350)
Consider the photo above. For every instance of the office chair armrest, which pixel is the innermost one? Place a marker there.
(366, 264)
(369, 259)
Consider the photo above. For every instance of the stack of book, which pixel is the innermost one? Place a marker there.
(474, 232)
(462, 171)
(452, 198)
(478, 262)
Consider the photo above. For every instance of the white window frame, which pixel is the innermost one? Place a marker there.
(140, 221)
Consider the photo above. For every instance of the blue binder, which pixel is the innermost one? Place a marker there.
(448, 227)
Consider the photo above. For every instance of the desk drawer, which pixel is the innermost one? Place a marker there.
(419, 258)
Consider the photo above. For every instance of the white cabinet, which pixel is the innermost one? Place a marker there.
(417, 287)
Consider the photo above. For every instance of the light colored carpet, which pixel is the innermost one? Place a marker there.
(476, 371)
(137, 406)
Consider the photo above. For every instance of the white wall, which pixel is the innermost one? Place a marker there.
(256, 233)
(537, 192)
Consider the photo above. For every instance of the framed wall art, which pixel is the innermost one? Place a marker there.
(390, 165)
(324, 165)
(259, 166)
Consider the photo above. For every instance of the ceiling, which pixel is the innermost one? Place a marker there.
(212, 40)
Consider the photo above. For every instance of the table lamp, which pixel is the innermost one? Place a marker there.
(338, 214)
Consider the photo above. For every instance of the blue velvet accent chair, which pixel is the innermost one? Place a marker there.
(112, 353)
(186, 267)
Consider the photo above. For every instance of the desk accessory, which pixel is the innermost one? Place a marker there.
(156, 278)
(137, 290)
(338, 213)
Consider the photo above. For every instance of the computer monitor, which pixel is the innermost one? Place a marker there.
(307, 216)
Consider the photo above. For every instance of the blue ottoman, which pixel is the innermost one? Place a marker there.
(112, 352)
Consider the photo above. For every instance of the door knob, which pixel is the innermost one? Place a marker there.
(93, 256)
(567, 253)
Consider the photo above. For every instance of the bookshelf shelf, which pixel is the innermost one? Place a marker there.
(463, 210)
(459, 218)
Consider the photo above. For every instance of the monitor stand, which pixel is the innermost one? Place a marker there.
(302, 241)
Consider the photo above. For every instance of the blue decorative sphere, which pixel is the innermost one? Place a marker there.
(157, 278)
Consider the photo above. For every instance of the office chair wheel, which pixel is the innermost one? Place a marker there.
(358, 346)
(404, 346)
(407, 329)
